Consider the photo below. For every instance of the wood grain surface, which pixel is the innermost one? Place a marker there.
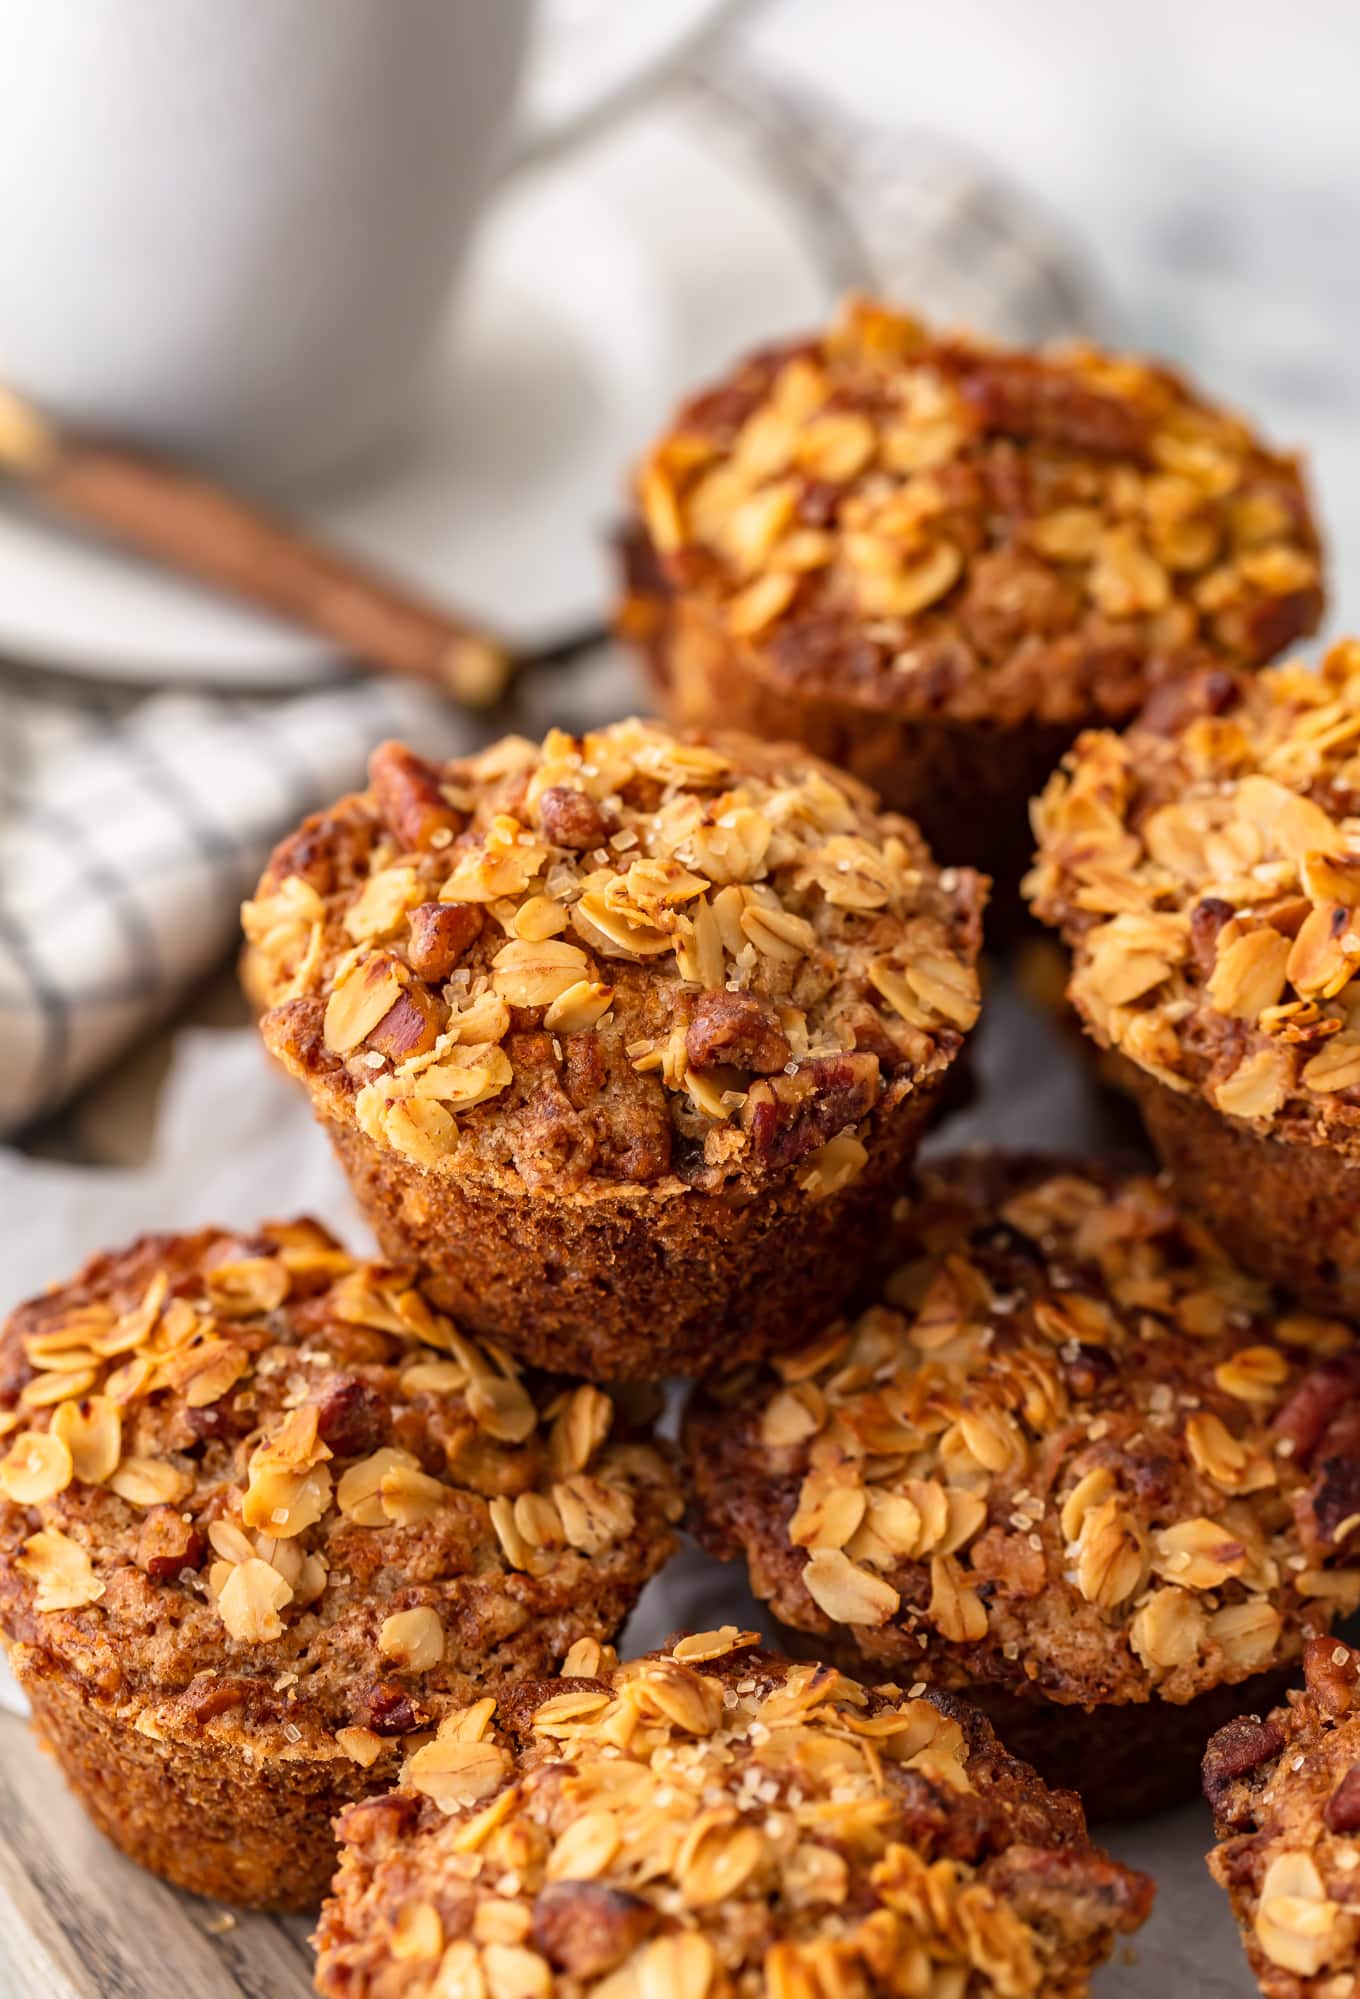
(77, 1921)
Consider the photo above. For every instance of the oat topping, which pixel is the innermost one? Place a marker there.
(236, 1462)
(1071, 1450)
(1205, 868)
(718, 1821)
(626, 957)
(1286, 1799)
(929, 524)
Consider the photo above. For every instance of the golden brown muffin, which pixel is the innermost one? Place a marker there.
(934, 560)
(1286, 1797)
(264, 1513)
(719, 1823)
(628, 1038)
(1071, 1459)
(1205, 870)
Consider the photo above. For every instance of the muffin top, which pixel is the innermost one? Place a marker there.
(1286, 1799)
(253, 1486)
(716, 1820)
(1071, 1451)
(930, 525)
(628, 958)
(1205, 868)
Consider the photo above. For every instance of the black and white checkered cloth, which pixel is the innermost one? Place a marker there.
(130, 829)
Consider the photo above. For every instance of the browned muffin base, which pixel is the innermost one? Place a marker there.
(201, 1815)
(967, 784)
(1128, 1761)
(1290, 1213)
(636, 1289)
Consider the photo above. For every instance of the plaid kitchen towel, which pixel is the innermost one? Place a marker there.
(127, 840)
(131, 829)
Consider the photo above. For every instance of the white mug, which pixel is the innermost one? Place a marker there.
(230, 227)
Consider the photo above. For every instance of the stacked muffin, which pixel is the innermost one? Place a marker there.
(266, 1514)
(934, 560)
(627, 1043)
(1069, 1459)
(1205, 870)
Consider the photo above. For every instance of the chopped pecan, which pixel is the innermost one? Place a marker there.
(379, 1822)
(327, 849)
(1266, 625)
(1182, 699)
(388, 1709)
(586, 1928)
(789, 1116)
(440, 933)
(1343, 1807)
(569, 818)
(1237, 1749)
(1330, 1670)
(351, 1417)
(409, 797)
(870, 1031)
(1335, 1496)
(1316, 1403)
(1083, 1893)
(207, 1696)
(409, 1027)
(168, 1544)
(740, 1028)
(1207, 918)
(1021, 396)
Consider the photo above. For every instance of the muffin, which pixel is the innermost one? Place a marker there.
(629, 1038)
(1286, 1798)
(718, 1823)
(1069, 1459)
(934, 560)
(264, 1515)
(1205, 870)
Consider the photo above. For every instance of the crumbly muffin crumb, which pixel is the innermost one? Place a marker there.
(713, 1819)
(1070, 1451)
(1286, 1797)
(1205, 869)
